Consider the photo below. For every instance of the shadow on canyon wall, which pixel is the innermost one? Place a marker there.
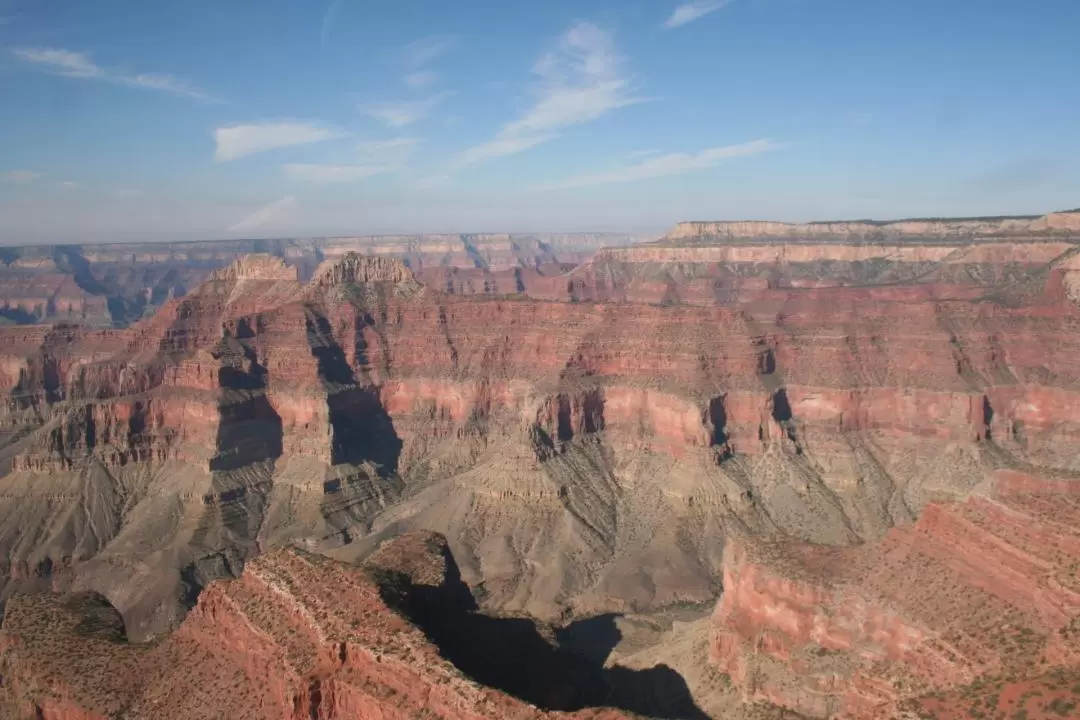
(559, 671)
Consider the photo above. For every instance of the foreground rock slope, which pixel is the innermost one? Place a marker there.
(296, 636)
(982, 589)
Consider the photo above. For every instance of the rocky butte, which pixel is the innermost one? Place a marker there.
(746, 470)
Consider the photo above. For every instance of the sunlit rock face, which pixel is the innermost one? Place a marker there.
(615, 436)
(297, 636)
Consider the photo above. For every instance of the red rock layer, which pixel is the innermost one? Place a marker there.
(296, 637)
(982, 588)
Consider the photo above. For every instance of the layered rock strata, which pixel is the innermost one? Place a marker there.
(971, 592)
(296, 636)
(581, 457)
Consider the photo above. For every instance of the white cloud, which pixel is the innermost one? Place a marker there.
(669, 164)
(501, 146)
(166, 83)
(67, 184)
(376, 157)
(691, 11)
(62, 62)
(68, 63)
(129, 193)
(421, 79)
(20, 176)
(581, 80)
(421, 52)
(325, 174)
(237, 141)
(275, 213)
(391, 152)
(400, 114)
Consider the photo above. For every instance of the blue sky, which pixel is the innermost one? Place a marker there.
(128, 119)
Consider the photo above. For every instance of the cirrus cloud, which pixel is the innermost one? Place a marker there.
(400, 114)
(68, 63)
(421, 79)
(691, 11)
(579, 80)
(236, 141)
(667, 164)
(274, 213)
(421, 52)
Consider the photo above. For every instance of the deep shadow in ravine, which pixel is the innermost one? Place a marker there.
(561, 670)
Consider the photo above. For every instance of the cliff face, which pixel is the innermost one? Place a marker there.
(260, 409)
(1066, 222)
(981, 589)
(296, 637)
(588, 444)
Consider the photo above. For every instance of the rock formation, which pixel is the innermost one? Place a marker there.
(766, 416)
(296, 636)
(117, 284)
(1053, 223)
(982, 589)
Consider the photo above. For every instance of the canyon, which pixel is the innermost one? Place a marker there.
(745, 470)
(113, 285)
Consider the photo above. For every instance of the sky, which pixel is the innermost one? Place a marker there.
(124, 120)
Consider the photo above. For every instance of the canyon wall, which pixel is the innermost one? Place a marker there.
(1062, 222)
(117, 284)
(982, 588)
(604, 440)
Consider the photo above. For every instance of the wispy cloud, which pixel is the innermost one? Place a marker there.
(421, 52)
(67, 184)
(421, 79)
(691, 11)
(61, 62)
(68, 63)
(20, 176)
(391, 152)
(668, 164)
(432, 181)
(376, 157)
(129, 193)
(236, 141)
(500, 146)
(326, 174)
(580, 80)
(400, 114)
(272, 214)
(329, 19)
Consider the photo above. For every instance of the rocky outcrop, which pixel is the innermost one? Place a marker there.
(353, 268)
(257, 266)
(972, 590)
(296, 636)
